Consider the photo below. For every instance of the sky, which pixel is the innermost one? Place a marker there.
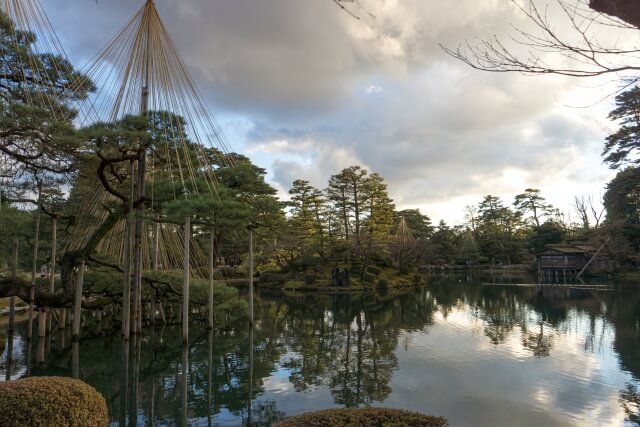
(305, 90)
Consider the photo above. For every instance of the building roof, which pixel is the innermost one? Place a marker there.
(568, 249)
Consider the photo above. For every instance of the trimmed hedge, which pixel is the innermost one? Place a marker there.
(51, 401)
(363, 417)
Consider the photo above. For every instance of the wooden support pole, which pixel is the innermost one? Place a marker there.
(62, 321)
(184, 382)
(136, 313)
(75, 360)
(250, 408)
(77, 304)
(126, 267)
(154, 266)
(185, 282)
(210, 378)
(124, 381)
(211, 258)
(40, 350)
(12, 298)
(162, 316)
(34, 270)
(42, 323)
(251, 277)
(52, 269)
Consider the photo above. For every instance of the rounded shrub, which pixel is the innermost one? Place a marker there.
(363, 417)
(274, 278)
(374, 269)
(383, 283)
(369, 278)
(51, 401)
(310, 279)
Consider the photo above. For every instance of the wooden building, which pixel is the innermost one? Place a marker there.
(563, 262)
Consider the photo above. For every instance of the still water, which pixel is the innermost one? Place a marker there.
(479, 351)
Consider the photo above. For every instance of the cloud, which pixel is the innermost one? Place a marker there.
(322, 91)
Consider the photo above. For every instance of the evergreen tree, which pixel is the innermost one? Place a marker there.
(37, 138)
(530, 202)
(622, 146)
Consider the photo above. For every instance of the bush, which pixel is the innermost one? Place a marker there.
(310, 279)
(383, 283)
(417, 278)
(363, 417)
(51, 401)
(273, 278)
(369, 278)
(374, 270)
(3, 340)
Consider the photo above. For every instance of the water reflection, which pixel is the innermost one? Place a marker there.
(543, 354)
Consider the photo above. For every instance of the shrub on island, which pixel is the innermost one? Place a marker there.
(363, 417)
(51, 401)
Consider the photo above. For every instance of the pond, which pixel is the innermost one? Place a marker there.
(476, 350)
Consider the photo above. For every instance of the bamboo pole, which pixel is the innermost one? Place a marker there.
(185, 282)
(211, 257)
(251, 277)
(126, 268)
(77, 304)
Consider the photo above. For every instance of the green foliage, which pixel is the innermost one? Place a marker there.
(419, 224)
(363, 417)
(39, 141)
(169, 286)
(622, 202)
(356, 267)
(310, 279)
(308, 218)
(621, 147)
(548, 233)
(530, 202)
(383, 283)
(273, 278)
(368, 277)
(374, 270)
(14, 224)
(51, 401)
(361, 204)
(3, 339)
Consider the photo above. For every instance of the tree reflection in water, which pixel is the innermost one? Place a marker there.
(346, 344)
